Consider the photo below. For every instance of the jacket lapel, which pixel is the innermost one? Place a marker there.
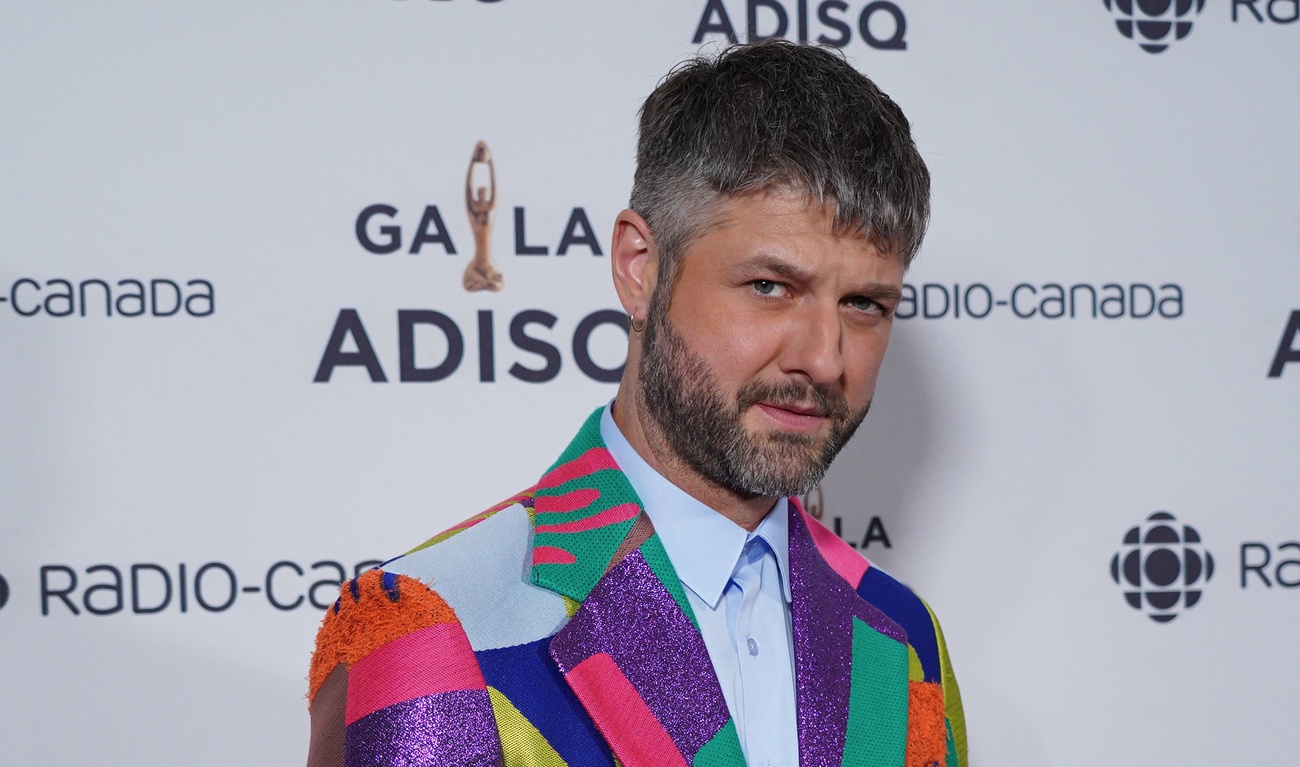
(632, 651)
(851, 666)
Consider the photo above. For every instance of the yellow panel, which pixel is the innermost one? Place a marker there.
(951, 695)
(915, 672)
(521, 743)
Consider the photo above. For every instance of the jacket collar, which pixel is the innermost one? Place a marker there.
(583, 508)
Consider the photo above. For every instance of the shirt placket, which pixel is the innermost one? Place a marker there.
(747, 578)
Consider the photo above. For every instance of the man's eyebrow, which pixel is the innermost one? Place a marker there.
(876, 290)
(881, 291)
(778, 266)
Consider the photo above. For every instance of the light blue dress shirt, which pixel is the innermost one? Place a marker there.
(737, 582)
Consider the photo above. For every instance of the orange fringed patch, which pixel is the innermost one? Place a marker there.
(371, 619)
(927, 736)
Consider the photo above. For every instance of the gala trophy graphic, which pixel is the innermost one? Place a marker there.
(481, 274)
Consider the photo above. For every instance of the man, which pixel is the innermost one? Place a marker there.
(659, 597)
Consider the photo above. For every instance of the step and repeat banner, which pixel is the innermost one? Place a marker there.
(287, 287)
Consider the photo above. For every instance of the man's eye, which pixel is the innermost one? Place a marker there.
(864, 304)
(766, 287)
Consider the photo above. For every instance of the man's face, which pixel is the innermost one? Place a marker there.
(763, 362)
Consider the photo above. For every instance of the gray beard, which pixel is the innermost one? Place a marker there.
(682, 396)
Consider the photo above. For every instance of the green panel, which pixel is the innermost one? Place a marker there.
(722, 750)
(612, 485)
(877, 731)
(951, 760)
(592, 548)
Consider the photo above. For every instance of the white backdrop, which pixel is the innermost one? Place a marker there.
(226, 151)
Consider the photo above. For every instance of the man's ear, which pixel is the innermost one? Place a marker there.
(635, 262)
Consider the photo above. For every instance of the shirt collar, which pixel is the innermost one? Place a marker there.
(702, 544)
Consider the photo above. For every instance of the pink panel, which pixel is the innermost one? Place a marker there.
(570, 501)
(611, 516)
(552, 555)
(842, 558)
(621, 715)
(589, 462)
(426, 662)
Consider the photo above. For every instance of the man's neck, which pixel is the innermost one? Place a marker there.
(644, 436)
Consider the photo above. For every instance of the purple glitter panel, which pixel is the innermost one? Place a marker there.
(822, 612)
(631, 616)
(449, 728)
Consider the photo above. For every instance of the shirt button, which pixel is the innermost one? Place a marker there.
(753, 646)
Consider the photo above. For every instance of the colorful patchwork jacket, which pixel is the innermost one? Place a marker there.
(551, 630)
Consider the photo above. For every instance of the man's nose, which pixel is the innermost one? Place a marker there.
(813, 347)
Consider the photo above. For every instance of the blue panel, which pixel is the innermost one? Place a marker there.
(483, 573)
(527, 675)
(906, 609)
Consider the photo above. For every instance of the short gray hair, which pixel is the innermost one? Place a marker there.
(770, 115)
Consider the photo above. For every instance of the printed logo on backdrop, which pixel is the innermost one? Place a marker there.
(880, 24)
(431, 332)
(1266, 11)
(814, 502)
(1162, 567)
(4, 592)
(1041, 301)
(149, 588)
(1288, 348)
(1154, 24)
(108, 298)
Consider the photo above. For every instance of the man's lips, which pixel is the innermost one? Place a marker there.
(794, 417)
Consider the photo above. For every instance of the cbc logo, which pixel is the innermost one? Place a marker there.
(1162, 567)
(1154, 24)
